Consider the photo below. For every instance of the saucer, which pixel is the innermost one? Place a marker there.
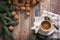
(38, 21)
(47, 33)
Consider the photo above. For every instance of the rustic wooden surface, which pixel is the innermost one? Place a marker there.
(54, 6)
(45, 5)
(22, 31)
(50, 5)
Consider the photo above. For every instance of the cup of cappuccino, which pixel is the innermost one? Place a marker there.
(45, 26)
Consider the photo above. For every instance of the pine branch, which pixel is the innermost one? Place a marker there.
(4, 21)
(14, 23)
(5, 10)
(7, 7)
(3, 2)
(0, 31)
(6, 18)
(8, 33)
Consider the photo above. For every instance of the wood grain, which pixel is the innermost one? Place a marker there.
(54, 6)
(22, 31)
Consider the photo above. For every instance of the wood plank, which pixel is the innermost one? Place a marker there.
(16, 32)
(44, 5)
(50, 5)
(25, 27)
(58, 7)
(54, 6)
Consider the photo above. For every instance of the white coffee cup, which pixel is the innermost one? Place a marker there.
(45, 26)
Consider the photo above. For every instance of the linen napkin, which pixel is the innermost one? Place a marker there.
(56, 17)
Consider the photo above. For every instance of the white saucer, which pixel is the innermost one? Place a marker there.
(47, 33)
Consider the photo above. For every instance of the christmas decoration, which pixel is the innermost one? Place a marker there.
(28, 13)
(25, 5)
(28, 9)
(11, 28)
(7, 14)
(22, 8)
(34, 2)
(9, 1)
(16, 17)
(13, 13)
